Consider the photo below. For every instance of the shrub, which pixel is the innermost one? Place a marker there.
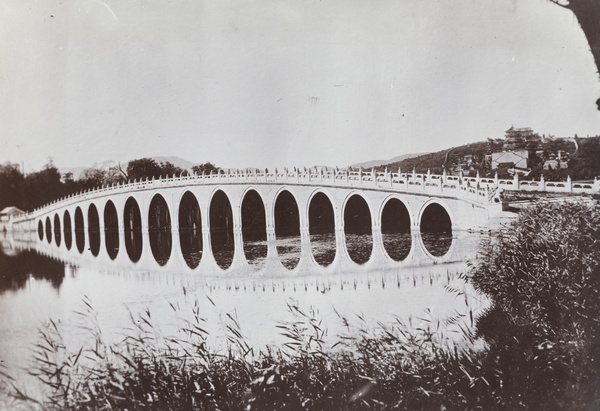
(542, 277)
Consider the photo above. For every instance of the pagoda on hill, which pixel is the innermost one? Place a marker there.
(520, 138)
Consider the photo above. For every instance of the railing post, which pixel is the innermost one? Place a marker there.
(569, 184)
(542, 183)
(360, 176)
(516, 181)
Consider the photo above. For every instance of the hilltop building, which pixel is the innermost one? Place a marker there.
(556, 162)
(520, 138)
(510, 159)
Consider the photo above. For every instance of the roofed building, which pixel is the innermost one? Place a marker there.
(517, 138)
(517, 159)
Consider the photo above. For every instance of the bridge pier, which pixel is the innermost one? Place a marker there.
(122, 256)
(208, 260)
(101, 226)
(378, 252)
(239, 261)
(176, 259)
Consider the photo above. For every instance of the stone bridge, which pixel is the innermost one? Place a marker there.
(208, 213)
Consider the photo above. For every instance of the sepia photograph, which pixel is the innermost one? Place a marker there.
(300, 205)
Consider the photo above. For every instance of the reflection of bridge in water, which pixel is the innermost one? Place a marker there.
(222, 221)
(459, 248)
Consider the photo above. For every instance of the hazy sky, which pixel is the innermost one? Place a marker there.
(284, 83)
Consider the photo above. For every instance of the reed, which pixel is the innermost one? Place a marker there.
(367, 366)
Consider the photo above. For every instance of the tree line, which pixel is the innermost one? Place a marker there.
(28, 191)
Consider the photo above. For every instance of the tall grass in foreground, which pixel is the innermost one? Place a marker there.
(395, 365)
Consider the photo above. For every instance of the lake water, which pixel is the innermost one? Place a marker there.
(40, 281)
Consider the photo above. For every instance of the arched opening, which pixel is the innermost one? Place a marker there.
(67, 229)
(254, 228)
(79, 230)
(221, 229)
(48, 230)
(321, 225)
(132, 221)
(159, 229)
(111, 230)
(41, 230)
(190, 230)
(57, 234)
(287, 229)
(358, 230)
(436, 230)
(94, 229)
(395, 229)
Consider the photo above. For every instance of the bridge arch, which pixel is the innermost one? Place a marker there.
(254, 226)
(431, 216)
(286, 216)
(132, 226)
(68, 229)
(220, 215)
(48, 230)
(358, 223)
(79, 230)
(321, 227)
(57, 233)
(111, 230)
(41, 229)
(190, 228)
(159, 229)
(395, 219)
(436, 224)
(94, 229)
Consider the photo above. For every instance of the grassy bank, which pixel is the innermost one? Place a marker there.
(541, 348)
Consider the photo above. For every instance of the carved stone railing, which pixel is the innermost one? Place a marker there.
(472, 189)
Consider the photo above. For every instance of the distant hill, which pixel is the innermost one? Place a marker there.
(439, 160)
(377, 163)
(583, 163)
(176, 161)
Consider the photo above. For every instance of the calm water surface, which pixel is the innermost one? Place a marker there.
(38, 282)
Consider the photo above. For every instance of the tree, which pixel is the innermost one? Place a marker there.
(170, 169)
(143, 168)
(205, 168)
(11, 180)
(92, 177)
(587, 13)
(42, 187)
(115, 175)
